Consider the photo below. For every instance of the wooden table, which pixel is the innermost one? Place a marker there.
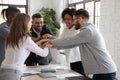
(64, 70)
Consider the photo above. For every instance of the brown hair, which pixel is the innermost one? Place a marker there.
(37, 15)
(19, 29)
(69, 11)
(83, 13)
(10, 11)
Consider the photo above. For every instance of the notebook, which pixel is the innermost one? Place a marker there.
(47, 70)
(30, 72)
(78, 78)
(47, 75)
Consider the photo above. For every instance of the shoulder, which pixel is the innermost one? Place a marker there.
(46, 29)
(27, 39)
(4, 28)
(4, 25)
(46, 26)
(88, 27)
(85, 31)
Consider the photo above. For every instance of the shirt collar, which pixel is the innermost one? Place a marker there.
(38, 33)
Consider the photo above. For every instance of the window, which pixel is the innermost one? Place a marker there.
(20, 4)
(92, 6)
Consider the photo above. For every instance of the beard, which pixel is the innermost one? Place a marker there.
(77, 26)
(38, 28)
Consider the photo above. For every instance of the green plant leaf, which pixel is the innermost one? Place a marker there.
(50, 19)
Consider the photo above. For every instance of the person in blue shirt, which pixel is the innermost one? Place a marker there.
(8, 14)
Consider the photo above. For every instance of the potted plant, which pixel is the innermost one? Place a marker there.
(50, 19)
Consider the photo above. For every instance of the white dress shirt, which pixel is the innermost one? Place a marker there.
(15, 57)
(72, 54)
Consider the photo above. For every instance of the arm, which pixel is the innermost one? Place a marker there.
(83, 37)
(4, 31)
(33, 47)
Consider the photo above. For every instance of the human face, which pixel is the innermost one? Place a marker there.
(68, 20)
(82, 21)
(37, 24)
(76, 23)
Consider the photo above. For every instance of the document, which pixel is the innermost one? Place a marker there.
(47, 75)
(62, 76)
(30, 72)
(78, 78)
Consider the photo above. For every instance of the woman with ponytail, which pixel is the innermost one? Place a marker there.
(8, 15)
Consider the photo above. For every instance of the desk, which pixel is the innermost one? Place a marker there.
(38, 68)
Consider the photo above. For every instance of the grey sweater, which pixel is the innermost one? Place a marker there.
(94, 55)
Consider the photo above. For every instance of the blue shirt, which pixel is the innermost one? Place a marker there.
(4, 30)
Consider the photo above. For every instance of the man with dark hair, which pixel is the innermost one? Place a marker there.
(95, 57)
(38, 29)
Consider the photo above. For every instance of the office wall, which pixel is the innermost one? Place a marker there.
(57, 5)
(36, 5)
(110, 28)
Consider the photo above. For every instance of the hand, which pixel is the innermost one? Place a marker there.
(48, 36)
(36, 39)
(47, 45)
(42, 41)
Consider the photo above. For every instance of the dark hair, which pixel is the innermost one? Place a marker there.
(69, 11)
(37, 15)
(10, 11)
(83, 13)
(19, 29)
